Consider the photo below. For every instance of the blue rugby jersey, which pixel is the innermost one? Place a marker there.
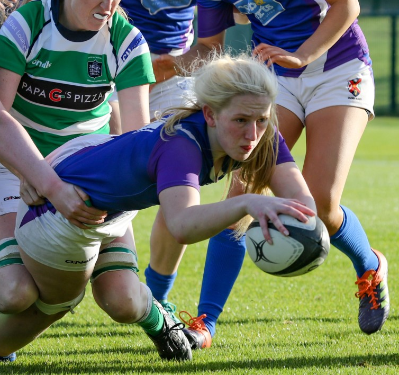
(167, 25)
(285, 24)
(129, 171)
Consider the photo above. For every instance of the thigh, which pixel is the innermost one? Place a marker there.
(55, 286)
(166, 252)
(290, 126)
(332, 136)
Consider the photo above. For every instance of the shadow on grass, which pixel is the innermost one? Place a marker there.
(117, 367)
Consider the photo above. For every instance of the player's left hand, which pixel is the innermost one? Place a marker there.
(279, 56)
(29, 194)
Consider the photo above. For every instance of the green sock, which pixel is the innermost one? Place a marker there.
(153, 323)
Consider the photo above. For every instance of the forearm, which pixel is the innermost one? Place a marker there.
(338, 19)
(200, 51)
(200, 222)
(19, 153)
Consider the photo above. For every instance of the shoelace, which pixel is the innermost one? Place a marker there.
(195, 323)
(368, 287)
(176, 327)
(170, 307)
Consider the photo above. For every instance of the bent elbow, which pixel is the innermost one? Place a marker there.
(181, 238)
(180, 235)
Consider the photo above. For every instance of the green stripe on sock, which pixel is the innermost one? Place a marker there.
(154, 322)
(8, 243)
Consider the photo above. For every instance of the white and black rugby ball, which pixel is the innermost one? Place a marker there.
(304, 249)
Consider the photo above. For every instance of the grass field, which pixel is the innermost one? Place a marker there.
(302, 325)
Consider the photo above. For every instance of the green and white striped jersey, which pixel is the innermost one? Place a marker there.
(67, 76)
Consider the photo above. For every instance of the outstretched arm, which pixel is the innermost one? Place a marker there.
(190, 222)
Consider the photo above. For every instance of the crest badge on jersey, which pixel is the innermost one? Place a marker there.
(354, 86)
(94, 68)
(264, 10)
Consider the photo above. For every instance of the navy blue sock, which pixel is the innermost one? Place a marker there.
(224, 259)
(160, 285)
(352, 240)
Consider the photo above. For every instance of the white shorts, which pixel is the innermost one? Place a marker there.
(50, 239)
(9, 191)
(350, 84)
(175, 92)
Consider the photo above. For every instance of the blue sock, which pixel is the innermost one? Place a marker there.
(160, 285)
(223, 263)
(352, 240)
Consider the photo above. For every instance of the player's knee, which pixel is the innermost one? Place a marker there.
(18, 290)
(129, 311)
(17, 297)
(117, 256)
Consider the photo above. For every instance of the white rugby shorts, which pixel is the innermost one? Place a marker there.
(50, 239)
(175, 92)
(9, 191)
(350, 84)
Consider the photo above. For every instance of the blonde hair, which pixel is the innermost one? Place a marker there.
(6, 8)
(218, 79)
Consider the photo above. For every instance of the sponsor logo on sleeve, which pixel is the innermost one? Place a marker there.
(17, 32)
(137, 41)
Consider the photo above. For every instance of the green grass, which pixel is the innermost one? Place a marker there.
(302, 325)
(378, 34)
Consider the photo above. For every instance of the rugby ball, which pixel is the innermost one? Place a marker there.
(303, 250)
